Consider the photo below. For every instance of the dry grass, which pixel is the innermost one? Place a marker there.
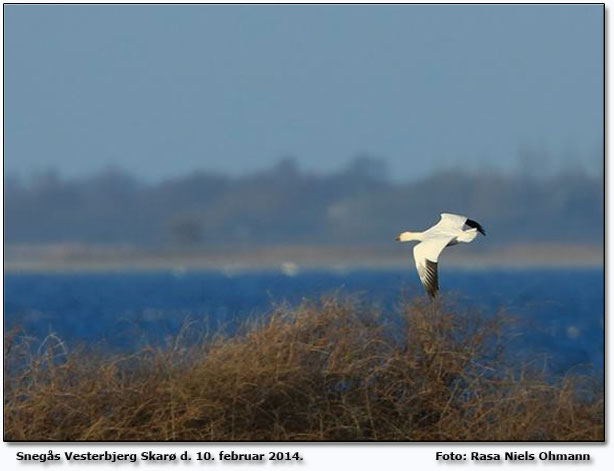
(327, 370)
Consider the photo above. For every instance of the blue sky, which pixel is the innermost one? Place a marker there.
(164, 90)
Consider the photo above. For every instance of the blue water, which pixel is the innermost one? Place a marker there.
(561, 312)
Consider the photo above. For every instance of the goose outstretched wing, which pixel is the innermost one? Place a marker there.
(457, 222)
(426, 254)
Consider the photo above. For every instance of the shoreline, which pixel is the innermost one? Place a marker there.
(290, 260)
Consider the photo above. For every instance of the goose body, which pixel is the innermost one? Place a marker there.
(450, 230)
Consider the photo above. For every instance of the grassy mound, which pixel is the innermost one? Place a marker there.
(327, 370)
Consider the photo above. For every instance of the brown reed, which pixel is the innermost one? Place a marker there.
(325, 370)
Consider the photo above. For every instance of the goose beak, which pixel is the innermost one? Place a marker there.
(398, 238)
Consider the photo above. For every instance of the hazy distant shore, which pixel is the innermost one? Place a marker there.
(288, 259)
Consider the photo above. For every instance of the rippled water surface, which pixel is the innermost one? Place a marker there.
(561, 311)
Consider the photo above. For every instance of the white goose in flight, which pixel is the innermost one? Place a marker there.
(450, 230)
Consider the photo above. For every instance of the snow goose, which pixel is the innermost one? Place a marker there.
(450, 230)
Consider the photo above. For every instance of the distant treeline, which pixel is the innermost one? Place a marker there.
(358, 205)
